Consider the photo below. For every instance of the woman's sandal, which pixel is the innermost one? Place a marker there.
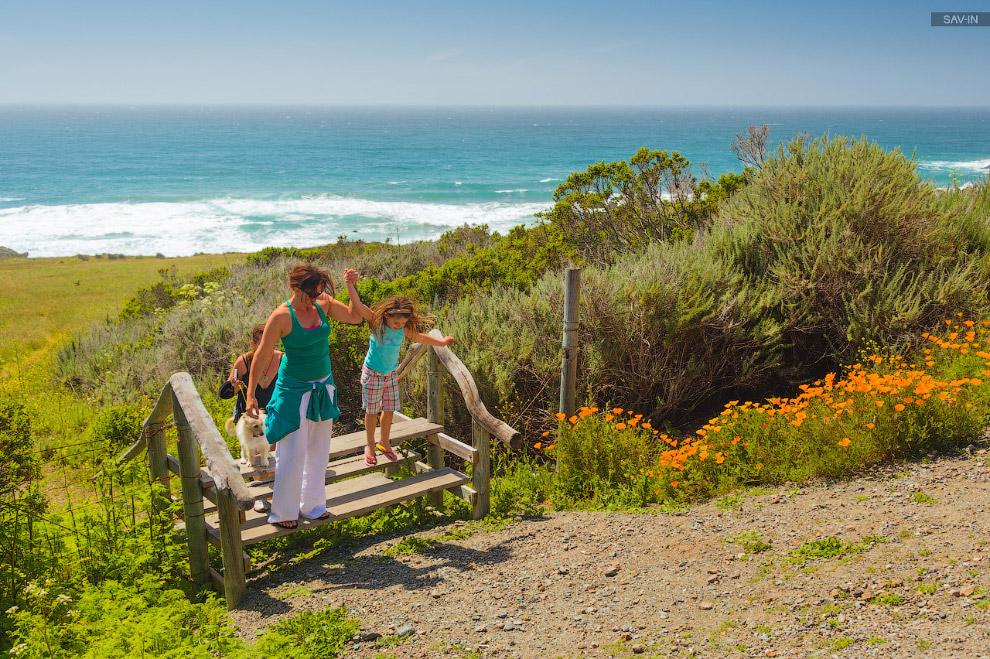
(288, 524)
(388, 453)
(370, 459)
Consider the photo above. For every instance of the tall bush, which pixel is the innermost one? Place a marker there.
(849, 246)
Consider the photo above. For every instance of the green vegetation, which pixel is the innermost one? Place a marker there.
(830, 273)
(409, 545)
(832, 548)
(921, 497)
(750, 541)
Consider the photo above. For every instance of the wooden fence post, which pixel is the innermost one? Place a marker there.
(231, 548)
(158, 467)
(192, 498)
(568, 367)
(434, 414)
(481, 474)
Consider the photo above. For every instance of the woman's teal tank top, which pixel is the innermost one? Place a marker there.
(307, 351)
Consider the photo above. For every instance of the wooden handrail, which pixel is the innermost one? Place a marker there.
(218, 459)
(469, 390)
(221, 464)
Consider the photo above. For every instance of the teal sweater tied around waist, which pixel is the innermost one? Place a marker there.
(283, 409)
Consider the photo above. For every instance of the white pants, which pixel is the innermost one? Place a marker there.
(300, 469)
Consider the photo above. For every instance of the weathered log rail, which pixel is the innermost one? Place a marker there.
(353, 488)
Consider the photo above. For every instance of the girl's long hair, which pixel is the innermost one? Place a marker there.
(398, 304)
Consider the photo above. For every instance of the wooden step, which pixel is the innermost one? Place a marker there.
(348, 498)
(338, 470)
(349, 444)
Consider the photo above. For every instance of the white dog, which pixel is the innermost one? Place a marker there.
(250, 432)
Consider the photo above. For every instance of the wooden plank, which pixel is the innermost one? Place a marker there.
(465, 492)
(152, 425)
(214, 448)
(416, 352)
(401, 432)
(358, 496)
(339, 470)
(346, 445)
(472, 399)
(455, 446)
(217, 579)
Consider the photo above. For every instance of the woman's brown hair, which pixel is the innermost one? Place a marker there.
(398, 305)
(309, 279)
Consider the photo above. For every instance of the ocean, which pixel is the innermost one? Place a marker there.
(182, 180)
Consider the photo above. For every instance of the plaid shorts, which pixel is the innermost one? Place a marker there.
(379, 393)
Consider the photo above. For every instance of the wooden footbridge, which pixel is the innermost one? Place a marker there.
(227, 519)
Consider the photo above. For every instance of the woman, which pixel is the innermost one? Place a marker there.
(303, 407)
(239, 375)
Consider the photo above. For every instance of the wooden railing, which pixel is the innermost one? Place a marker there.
(484, 426)
(197, 432)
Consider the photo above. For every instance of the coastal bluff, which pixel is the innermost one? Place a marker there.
(8, 253)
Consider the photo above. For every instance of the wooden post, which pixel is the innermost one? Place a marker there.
(192, 498)
(158, 466)
(231, 548)
(434, 414)
(568, 367)
(481, 474)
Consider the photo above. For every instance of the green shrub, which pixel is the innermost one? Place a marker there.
(117, 427)
(619, 207)
(848, 246)
(309, 635)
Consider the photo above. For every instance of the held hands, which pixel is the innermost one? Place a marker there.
(350, 276)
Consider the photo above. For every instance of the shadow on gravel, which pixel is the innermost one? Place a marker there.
(428, 570)
(339, 568)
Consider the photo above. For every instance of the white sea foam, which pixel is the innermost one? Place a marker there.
(511, 191)
(240, 225)
(547, 180)
(11, 199)
(961, 165)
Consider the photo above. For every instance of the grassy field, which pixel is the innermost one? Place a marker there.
(45, 300)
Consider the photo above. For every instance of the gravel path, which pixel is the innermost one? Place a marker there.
(906, 575)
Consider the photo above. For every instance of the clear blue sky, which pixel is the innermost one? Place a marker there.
(498, 52)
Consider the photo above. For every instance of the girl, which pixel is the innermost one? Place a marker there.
(391, 321)
(239, 375)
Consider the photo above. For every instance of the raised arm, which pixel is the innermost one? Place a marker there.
(345, 313)
(352, 293)
(419, 337)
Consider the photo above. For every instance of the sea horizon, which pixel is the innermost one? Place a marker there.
(180, 179)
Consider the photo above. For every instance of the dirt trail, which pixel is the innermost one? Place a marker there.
(682, 584)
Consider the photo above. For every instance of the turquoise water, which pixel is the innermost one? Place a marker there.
(178, 181)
